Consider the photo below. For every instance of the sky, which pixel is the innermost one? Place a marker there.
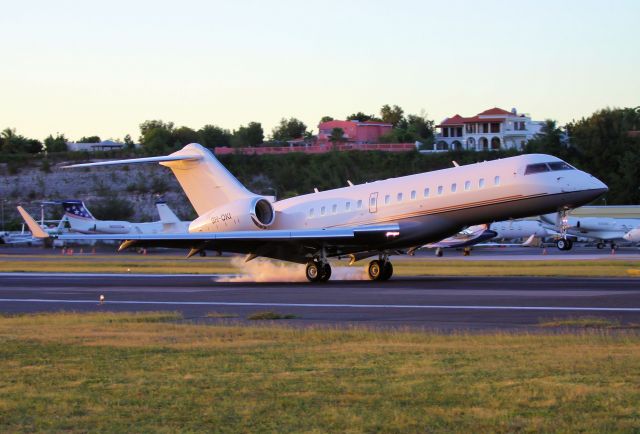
(85, 68)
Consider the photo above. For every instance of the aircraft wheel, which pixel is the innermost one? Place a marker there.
(439, 252)
(387, 271)
(375, 270)
(313, 271)
(563, 244)
(600, 245)
(614, 246)
(326, 272)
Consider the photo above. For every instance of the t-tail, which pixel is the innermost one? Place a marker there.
(76, 209)
(205, 181)
(167, 216)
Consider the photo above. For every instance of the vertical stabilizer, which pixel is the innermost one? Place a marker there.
(76, 209)
(206, 182)
(167, 216)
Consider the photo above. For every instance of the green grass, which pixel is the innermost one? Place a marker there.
(221, 315)
(269, 315)
(404, 267)
(121, 373)
(587, 322)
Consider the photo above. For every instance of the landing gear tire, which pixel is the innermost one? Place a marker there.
(439, 252)
(564, 244)
(317, 272)
(326, 272)
(600, 246)
(380, 270)
(614, 246)
(387, 271)
(313, 272)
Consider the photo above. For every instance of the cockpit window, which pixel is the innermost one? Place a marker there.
(560, 165)
(546, 167)
(536, 168)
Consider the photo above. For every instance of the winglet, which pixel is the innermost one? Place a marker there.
(34, 227)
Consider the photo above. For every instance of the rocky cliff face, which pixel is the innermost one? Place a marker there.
(141, 185)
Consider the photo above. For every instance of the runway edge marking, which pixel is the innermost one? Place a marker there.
(325, 305)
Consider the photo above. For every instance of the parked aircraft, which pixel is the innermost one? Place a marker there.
(82, 221)
(633, 235)
(379, 218)
(603, 229)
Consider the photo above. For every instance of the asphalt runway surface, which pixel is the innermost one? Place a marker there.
(442, 303)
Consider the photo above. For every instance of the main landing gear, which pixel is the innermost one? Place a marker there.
(380, 269)
(564, 244)
(318, 271)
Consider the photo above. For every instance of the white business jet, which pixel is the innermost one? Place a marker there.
(82, 221)
(374, 219)
(602, 229)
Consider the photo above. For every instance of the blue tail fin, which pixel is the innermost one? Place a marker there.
(76, 208)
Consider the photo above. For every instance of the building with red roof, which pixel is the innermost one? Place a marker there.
(355, 132)
(491, 129)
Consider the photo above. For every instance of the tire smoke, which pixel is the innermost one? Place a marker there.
(264, 270)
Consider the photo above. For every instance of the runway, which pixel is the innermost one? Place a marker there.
(444, 303)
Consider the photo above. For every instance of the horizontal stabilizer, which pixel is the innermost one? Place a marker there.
(34, 227)
(138, 161)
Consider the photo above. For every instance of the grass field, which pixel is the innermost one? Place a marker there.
(405, 267)
(152, 373)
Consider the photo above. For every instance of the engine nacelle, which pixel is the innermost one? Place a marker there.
(242, 215)
(595, 224)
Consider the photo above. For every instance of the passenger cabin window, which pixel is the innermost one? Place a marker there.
(359, 204)
(399, 197)
(481, 183)
(323, 210)
(454, 187)
(496, 180)
(387, 199)
(440, 189)
(334, 208)
(348, 206)
(311, 212)
(413, 195)
(467, 185)
(536, 168)
(426, 192)
(372, 201)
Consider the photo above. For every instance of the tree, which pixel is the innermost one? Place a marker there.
(55, 144)
(128, 141)
(550, 140)
(337, 136)
(325, 119)
(361, 117)
(251, 135)
(212, 136)
(90, 139)
(183, 136)
(393, 116)
(156, 136)
(288, 129)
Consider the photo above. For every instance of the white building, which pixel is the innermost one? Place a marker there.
(105, 145)
(490, 130)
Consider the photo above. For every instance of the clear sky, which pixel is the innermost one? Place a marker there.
(88, 67)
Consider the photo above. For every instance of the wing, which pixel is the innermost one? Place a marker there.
(291, 245)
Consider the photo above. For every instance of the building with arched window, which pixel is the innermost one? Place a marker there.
(492, 129)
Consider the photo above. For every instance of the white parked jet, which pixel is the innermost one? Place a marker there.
(602, 229)
(633, 235)
(82, 221)
(375, 219)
